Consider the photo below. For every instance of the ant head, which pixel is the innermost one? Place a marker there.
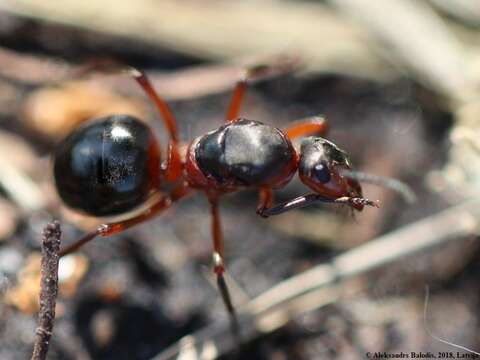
(320, 168)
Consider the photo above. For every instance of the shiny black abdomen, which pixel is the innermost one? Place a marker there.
(107, 166)
(244, 153)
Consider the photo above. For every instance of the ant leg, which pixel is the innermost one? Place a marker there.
(237, 97)
(173, 169)
(265, 200)
(250, 74)
(314, 125)
(161, 105)
(108, 66)
(219, 265)
(308, 199)
(116, 227)
(174, 166)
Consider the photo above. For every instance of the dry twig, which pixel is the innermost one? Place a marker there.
(49, 289)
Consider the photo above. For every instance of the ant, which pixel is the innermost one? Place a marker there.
(113, 165)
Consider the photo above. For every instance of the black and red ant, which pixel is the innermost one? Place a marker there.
(112, 165)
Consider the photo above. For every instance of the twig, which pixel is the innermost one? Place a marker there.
(49, 289)
(324, 283)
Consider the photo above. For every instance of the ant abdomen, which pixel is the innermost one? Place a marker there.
(242, 153)
(108, 166)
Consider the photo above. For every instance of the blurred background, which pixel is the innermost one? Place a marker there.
(399, 82)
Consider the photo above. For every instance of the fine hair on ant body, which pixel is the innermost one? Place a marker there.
(112, 165)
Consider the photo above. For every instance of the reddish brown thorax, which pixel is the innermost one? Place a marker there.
(244, 153)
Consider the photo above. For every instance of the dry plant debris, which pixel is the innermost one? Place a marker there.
(24, 295)
(48, 289)
(54, 112)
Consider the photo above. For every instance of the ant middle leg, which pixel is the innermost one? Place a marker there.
(219, 265)
(110, 229)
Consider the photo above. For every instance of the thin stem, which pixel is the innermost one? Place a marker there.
(48, 290)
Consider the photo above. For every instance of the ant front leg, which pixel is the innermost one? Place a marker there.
(314, 125)
(219, 264)
(265, 201)
(110, 229)
(309, 199)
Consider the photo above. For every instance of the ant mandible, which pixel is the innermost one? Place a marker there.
(112, 165)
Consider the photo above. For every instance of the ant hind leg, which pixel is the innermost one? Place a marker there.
(110, 229)
(173, 169)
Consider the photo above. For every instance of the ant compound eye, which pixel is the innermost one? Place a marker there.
(321, 173)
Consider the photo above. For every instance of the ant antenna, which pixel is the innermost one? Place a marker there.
(393, 184)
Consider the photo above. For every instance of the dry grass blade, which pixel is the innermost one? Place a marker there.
(186, 83)
(419, 39)
(466, 10)
(222, 30)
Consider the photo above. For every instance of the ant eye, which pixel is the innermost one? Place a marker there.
(321, 173)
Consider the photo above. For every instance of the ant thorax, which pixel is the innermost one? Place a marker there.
(243, 153)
